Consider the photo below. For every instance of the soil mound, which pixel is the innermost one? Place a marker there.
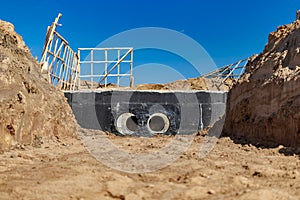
(264, 107)
(200, 83)
(30, 108)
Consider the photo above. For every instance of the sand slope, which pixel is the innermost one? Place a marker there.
(264, 107)
(30, 108)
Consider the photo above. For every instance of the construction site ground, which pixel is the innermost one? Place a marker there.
(66, 170)
(62, 168)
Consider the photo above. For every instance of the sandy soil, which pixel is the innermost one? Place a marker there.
(66, 170)
(29, 106)
(264, 106)
(199, 83)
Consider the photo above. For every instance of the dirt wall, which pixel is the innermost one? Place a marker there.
(264, 107)
(30, 108)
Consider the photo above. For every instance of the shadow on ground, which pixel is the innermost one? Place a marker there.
(287, 151)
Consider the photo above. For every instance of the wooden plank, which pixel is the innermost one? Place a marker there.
(50, 36)
(61, 37)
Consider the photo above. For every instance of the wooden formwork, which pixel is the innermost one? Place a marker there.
(62, 65)
(59, 62)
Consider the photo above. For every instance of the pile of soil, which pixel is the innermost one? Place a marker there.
(189, 84)
(200, 83)
(264, 107)
(30, 108)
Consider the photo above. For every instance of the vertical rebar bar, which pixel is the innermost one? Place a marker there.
(92, 68)
(106, 65)
(119, 65)
(131, 66)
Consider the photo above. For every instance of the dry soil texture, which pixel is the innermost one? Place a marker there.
(65, 170)
(30, 107)
(264, 107)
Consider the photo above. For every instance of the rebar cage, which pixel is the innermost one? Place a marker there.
(103, 66)
(93, 68)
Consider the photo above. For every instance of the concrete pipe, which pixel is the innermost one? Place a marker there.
(126, 124)
(158, 123)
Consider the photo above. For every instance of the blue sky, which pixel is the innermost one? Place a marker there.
(228, 30)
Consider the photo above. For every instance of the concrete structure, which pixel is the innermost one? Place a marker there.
(146, 113)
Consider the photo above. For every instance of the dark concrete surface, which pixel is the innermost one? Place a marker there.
(187, 112)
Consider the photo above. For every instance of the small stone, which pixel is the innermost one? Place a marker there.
(211, 192)
(65, 144)
(280, 147)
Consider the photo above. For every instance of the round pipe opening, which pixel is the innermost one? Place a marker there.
(131, 123)
(126, 124)
(158, 123)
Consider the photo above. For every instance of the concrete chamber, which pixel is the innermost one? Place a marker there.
(147, 113)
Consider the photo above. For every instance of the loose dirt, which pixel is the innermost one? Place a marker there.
(66, 170)
(199, 83)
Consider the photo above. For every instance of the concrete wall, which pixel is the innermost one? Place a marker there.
(145, 113)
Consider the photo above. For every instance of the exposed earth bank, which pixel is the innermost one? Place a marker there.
(30, 108)
(264, 107)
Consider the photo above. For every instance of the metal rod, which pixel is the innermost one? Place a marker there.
(101, 62)
(78, 70)
(131, 66)
(97, 76)
(105, 67)
(126, 54)
(103, 49)
(119, 70)
(231, 71)
(92, 67)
